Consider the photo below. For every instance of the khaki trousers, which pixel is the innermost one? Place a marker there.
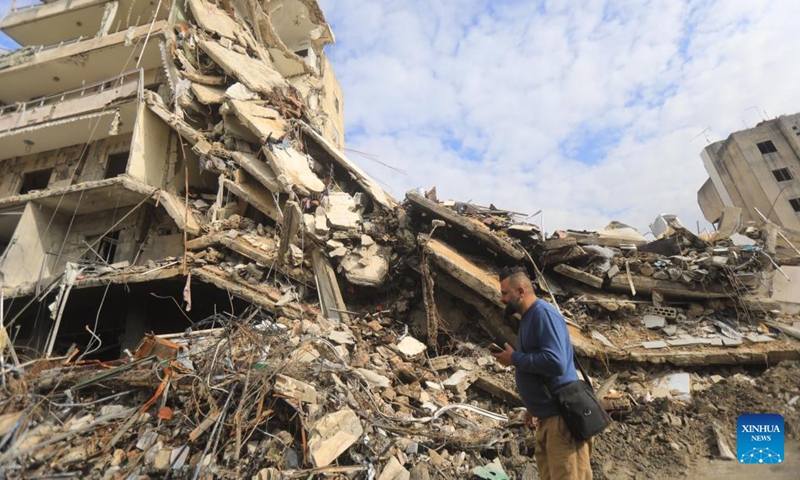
(558, 455)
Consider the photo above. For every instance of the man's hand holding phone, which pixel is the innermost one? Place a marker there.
(495, 348)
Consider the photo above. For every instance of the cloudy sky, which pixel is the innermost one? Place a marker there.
(589, 110)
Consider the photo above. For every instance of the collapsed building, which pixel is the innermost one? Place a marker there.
(196, 279)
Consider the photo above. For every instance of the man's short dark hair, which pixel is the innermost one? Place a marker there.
(506, 272)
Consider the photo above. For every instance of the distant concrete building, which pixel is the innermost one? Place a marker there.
(757, 168)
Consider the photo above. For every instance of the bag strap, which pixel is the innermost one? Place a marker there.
(580, 367)
(583, 372)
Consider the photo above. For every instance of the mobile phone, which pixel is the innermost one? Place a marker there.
(495, 348)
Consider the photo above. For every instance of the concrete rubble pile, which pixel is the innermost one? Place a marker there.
(314, 325)
(393, 383)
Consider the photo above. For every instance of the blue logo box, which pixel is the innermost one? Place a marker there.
(759, 438)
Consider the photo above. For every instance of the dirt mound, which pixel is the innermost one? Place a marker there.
(660, 439)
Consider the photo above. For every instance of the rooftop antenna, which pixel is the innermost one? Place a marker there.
(704, 133)
(757, 110)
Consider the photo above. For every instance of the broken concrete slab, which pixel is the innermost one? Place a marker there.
(213, 19)
(257, 196)
(293, 170)
(459, 382)
(378, 194)
(260, 171)
(579, 275)
(678, 385)
(722, 445)
(482, 235)
(292, 220)
(759, 338)
(558, 243)
(179, 212)
(257, 75)
(791, 331)
(365, 268)
(265, 122)
(410, 347)
(393, 470)
(332, 435)
(330, 296)
(208, 95)
(340, 211)
(342, 337)
(495, 324)
(374, 378)
(294, 388)
(646, 285)
(239, 92)
(686, 340)
(654, 322)
(497, 390)
(609, 237)
(477, 278)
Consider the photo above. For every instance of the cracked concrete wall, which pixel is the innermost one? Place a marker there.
(34, 236)
(332, 104)
(65, 163)
(149, 148)
(743, 176)
(149, 229)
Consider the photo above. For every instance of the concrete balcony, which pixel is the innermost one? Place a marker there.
(62, 20)
(84, 115)
(35, 72)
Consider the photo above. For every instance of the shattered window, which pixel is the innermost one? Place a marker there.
(116, 164)
(766, 147)
(795, 203)
(782, 174)
(37, 180)
(105, 250)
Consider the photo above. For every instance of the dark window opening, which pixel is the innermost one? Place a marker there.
(795, 203)
(336, 104)
(794, 127)
(37, 180)
(782, 174)
(103, 251)
(116, 164)
(766, 147)
(302, 53)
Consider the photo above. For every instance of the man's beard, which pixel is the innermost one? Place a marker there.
(511, 309)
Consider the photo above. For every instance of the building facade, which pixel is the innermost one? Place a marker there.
(755, 169)
(129, 129)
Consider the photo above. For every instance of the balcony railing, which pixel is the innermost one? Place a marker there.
(77, 92)
(24, 7)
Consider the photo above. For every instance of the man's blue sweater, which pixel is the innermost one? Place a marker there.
(545, 354)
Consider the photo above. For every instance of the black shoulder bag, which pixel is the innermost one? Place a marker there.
(579, 407)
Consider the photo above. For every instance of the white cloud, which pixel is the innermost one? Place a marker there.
(490, 101)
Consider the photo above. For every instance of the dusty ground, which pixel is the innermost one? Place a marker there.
(723, 470)
(667, 439)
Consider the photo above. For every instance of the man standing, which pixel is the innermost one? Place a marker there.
(544, 359)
